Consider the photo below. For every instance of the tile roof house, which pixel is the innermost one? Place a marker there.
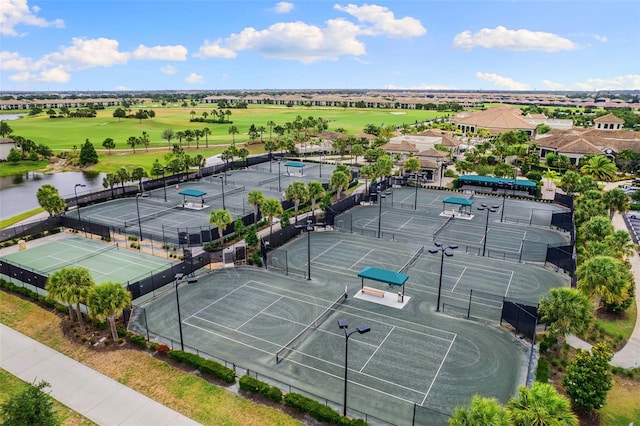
(495, 120)
(577, 143)
(6, 144)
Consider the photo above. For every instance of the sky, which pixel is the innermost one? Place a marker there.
(99, 45)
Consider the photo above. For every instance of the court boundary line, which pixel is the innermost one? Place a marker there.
(378, 348)
(438, 371)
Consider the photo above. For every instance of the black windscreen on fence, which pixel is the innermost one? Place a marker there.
(521, 315)
(31, 228)
(562, 257)
(562, 220)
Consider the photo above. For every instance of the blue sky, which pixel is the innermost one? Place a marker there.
(316, 44)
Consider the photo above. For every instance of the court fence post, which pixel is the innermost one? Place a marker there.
(413, 420)
(469, 307)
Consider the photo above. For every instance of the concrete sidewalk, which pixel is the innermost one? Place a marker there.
(92, 394)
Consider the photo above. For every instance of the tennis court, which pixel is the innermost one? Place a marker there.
(411, 356)
(480, 234)
(107, 262)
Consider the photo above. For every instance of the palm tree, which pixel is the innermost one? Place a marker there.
(179, 134)
(220, 219)
(596, 228)
(606, 278)
(316, 191)
(412, 165)
(132, 141)
(138, 174)
(109, 181)
(271, 208)
(123, 176)
(481, 412)
(255, 198)
(233, 131)
(540, 405)
(600, 168)
(198, 134)
(106, 301)
(297, 192)
(206, 132)
(271, 125)
(366, 172)
(339, 181)
(616, 201)
(243, 153)
(270, 146)
(565, 311)
(71, 285)
(188, 136)
(357, 150)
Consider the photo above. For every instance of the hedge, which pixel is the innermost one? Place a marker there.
(205, 366)
(542, 371)
(248, 383)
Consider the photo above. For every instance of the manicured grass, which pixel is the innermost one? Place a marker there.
(183, 392)
(18, 218)
(622, 327)
(623, 403)
(11, 385)
(63, 134)
(10, 169)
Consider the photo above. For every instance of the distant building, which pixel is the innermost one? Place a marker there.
(6, 144)
(495, 120)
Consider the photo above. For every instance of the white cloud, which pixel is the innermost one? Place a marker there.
(600, 38)
(383, 21)
(283, 7)
(502, 82)
(21, 76)
(54, 75)
(12, 61)
(166, 53)
(194, 78)
(301, 41)
(623, 82)
(17, 12)
(502, 38)
(214, 50)
(87, 53)
(122, 88)
(169, 70)
(548, 84)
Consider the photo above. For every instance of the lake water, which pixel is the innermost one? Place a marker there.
(18, 193)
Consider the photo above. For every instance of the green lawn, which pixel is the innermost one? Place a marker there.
(61, 134)
(11, 169)
(11, 385)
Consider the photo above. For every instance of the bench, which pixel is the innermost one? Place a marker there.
(372, 291)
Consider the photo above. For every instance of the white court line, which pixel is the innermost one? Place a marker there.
(258, 313)
(378, 348)
(361, 259)
(404, 224)
(329, 249)
(206, 330)
(215, 301)
(459, 278)
(508, 285)
(438, 371)
(343, 306)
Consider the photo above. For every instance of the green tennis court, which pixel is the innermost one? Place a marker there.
(411, 356)
(107, 262)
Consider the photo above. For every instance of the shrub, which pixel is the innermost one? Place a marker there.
(132, 238)
(205, 366)
(316, 410)
(163, 349)
(249, 384)
(542, 371)
(211, 246)
(256, 258)
(137, 340)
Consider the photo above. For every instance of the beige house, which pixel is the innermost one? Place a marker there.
(495, 120)
(6, 144)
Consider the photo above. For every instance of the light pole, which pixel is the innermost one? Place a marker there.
(504, 197)
(361, 329)
(164, 182)
(320, 165)
(178, 278)
(415, 199)
(75, 191)
(279, 187)
(309, 228)
(222, 183)
(491, 209)
(380, 197)
(138, 211)
(439, 247)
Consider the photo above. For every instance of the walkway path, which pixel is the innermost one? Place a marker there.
(84, 390)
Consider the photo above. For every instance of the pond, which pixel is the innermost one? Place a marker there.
(18, 192)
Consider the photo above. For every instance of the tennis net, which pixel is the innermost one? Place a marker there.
(439, 230)
(148, 217)
(411, 261)
(268, 180)
(234, 190)
(295, 343)
(79, 259)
